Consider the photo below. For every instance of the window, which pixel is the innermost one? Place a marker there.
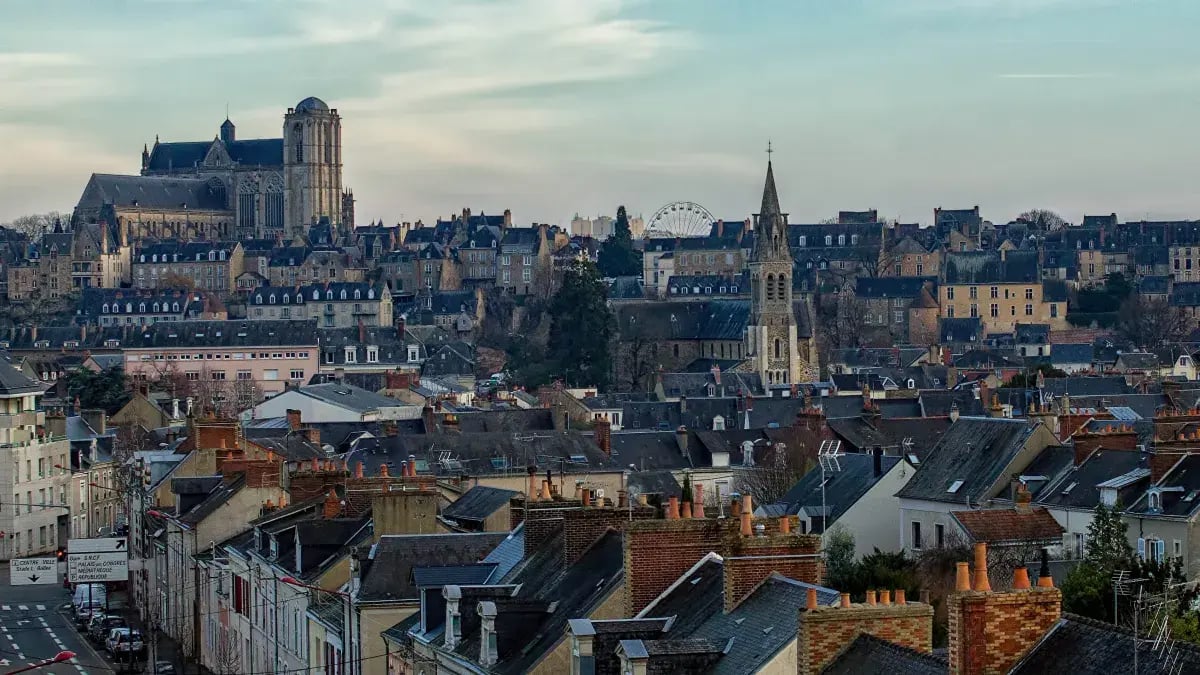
(243, 375)
(974, 292)
(949, 292)
(372, 354)
(1028, 310)
(351, 355)
(898, 317)
(1028, 293)
(939, 531)
(950, 312)
(1053, 311)
(192, 375)
(995, 310)
(916, 535)
(414, 353)
(995, 292)
(974, 310)
(218, 375)
(271, 375)
(920, 269)
(526, 275)
(296, 375)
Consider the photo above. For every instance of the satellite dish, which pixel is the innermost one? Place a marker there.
(329, 449)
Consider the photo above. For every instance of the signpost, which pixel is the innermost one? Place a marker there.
(32, 571)
(97, 560)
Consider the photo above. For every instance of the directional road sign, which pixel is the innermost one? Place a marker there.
(32, 571)
(96, 545)
(98, 559)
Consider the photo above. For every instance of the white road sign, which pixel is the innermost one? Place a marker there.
(31, 571)
(96, 545)
(85, 568)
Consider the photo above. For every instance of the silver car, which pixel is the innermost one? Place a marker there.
(124, 641)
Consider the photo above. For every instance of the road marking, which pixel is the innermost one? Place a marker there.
(23, 608)
(40, 608)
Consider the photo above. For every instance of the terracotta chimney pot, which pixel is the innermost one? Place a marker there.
(845, 599)
(871, 597)
(1021, 579)
(885, 597)
(586, 495)
(735, 508)
(900, 599)
(546, 496)
(686, 510)
(962, 577)
(358, 470)
(384, 471)
(981, 573)
(673, 508)
(810, 600)
(785, 525)
(747, 526)
(698, 501)
(532, 495)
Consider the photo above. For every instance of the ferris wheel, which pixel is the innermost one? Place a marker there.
(680, 219)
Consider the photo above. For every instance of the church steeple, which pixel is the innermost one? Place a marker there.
(228, 132)
(771, 240)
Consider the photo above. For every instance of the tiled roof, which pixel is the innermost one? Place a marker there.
(869, 654)
(1009, 526)
(1082, 646)
(478, 503)
(842, 488)
(968, 460)
(152, 192)
(389, 576)
(14, 382)
(987, 267)
(215, 334)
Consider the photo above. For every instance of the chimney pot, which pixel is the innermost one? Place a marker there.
(962, 577)
(546, 496)
(785, 525)
(981, 572)
(870, 597)
(1044, 578)
(686, 510)
(698, 503)
(845, 599)
(673, 508)
(586, 494)
(747, 527)
(383, 470)
(900, 600)
(358, 469)
(885, 597)
(1021, 579)
(810, 600)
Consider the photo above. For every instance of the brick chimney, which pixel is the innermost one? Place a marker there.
(333, 506)
(826, 631)
(603, 434)
(293, 418)
(989, 631)
(1109, 436)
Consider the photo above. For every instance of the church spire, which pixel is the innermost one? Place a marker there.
(771, 229)
(770, 198)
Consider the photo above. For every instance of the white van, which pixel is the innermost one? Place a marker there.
(88, 597)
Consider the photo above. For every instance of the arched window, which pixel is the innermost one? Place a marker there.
(778, 348)
(270, 298)
(370, 293)
(212, 255)
(156, 308)
(153, 258)
(328, 295)
(175, 307)
(221, 255)
(829, 240)
(854, 239)
(142, 308)
(286, 298)
(357, 294)
(841, 240)
(316, 295)
(143, 258)
(803, 240)
(770, 286)
(104, 310)
(343, 294)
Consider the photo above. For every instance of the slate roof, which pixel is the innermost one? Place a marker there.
(531, 419)
(1184, 478)
(152, 192)
(659, 482)
(1104, 385)
(389, 576)
(852, 406)
(478, 503)
(695, 385)
(219, 495)
(891, 287)
(974, 450)
(445, 575)
(1083, 646)
(1071, 353)
(215, 334)
(961, 329)
(1009, 526)
(473, 452)
(842, 488)
(1137, 361)
(13, 382)
(185, 155)
(349, 397)
(724, 319)
(987, 267)
(1032, 333)
(1077, 487)
(1153, 285)
(869, 654)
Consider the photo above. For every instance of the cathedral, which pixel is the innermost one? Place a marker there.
(228, 188)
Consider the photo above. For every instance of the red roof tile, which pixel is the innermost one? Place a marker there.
(1007, 526)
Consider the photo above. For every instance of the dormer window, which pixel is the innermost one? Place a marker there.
(142, 308)
(212, 255)
(1154, 500)
(104, 309)
(351, 355)
(257, 538)
(316, 295)
(371, 294)
(221, 255)
(829, 240)
(175, 307)
(1108, 496)
(274, 547)
(271, 299)
(372, 354)
(343, 294)
(712, 390)
(414, 353)
(803, 240)
(357, 295)
(286, 298)
(718, 423)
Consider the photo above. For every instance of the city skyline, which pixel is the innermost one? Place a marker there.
(552, 109)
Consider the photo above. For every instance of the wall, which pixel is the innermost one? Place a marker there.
(990, 632)
(372, 622)
(865, 519)
(283, 360)
(51, 482)
(1011, 309)
(558, 660)
(1169, 531)
(826, 631)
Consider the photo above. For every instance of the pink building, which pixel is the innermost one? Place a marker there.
(224, 359)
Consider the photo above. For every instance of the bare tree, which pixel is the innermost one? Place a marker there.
(778, 469)
(874, 261)
(1152, 322)
(227, 657)
(1043, 219)
(36, 224)
(635, 361)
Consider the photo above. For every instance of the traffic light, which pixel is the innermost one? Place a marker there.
(61, 553)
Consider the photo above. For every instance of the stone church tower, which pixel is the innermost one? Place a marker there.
(312, 165)
(772, 335)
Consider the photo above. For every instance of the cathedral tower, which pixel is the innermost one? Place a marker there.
(312, 165)
(771, 336)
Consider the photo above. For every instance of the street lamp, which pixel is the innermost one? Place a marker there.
(58, 658)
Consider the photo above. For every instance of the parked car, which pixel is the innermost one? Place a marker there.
(100, 625)
(124, 642)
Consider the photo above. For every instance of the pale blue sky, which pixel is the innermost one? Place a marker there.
(551, 107)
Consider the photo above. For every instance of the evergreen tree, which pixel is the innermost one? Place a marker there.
(617, 255)
(581, 327)
(1108, 541)
(106, 389)
(687, 488)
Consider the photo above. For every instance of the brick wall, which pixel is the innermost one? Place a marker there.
(1085, 444)
(583, 526)
(658, 552)
(990, 632)
(307, 483)
(259, 472)
(826, 631)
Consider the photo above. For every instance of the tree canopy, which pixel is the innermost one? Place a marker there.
(581, 327)
(617, 256)
(105, 389)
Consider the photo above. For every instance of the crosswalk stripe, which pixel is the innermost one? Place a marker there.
(22, 607)
(40, 608)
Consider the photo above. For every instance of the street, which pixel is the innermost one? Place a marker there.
(36, 624)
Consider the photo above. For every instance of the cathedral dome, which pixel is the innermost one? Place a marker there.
(312, 104)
